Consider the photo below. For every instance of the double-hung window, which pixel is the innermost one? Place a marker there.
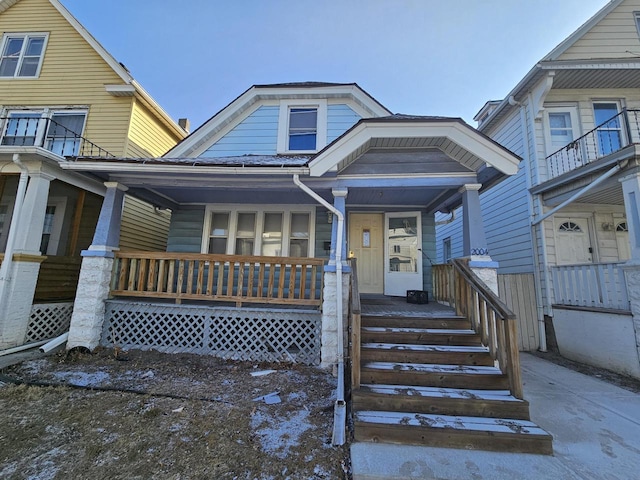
(58, 131)
(302, 127)
(259, 230)
(22, 54)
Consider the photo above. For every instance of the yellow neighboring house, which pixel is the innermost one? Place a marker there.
(63, 95)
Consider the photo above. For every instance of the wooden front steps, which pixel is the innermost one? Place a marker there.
(429, 381)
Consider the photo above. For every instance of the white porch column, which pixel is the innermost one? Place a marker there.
(474, 241)
(631, 194)
(95, 274)
(330, 328)
(20, 275)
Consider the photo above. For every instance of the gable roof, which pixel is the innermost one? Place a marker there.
(131, 87)
(553, 61)
(242, 104)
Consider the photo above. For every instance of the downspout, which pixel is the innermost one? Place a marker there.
(5, 267)
(339, 415)
(542, 328)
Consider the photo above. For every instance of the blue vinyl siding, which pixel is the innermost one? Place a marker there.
(340, 118)
(185, 231)
(255, 135)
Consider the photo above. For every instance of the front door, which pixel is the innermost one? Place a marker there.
(366, 244)
(573, 244)
(403, 253)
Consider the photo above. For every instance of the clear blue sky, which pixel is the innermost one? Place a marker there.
(426, 57)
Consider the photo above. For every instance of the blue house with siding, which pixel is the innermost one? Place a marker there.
(283, 185)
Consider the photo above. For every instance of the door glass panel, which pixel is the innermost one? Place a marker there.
(609, 132)
(403, 244)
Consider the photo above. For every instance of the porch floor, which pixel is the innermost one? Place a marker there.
(372, 304)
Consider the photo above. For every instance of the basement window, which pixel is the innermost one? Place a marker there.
(22, 55)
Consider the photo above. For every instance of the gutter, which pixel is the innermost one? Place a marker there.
(340, 407)
(114, 167)
(5, 267)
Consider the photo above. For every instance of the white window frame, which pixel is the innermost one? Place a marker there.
(259, 210)
(283, 124)
(572, 110)
(25, 36)
(43, 126)
(446, 250)
(60, 203)
(636, 17)
(621, 129)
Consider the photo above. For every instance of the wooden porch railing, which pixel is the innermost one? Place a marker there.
(598, 285)
(354, 324)
(231, 278)
(457, 285)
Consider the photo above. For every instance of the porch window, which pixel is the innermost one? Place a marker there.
(22, 55)
(47, 229)
(610, 130)
(219, 233)
(245, 233)
(4, 224)
(64, 133)
(299, 243)
(446, 250)
(256, 230)
(272, 235)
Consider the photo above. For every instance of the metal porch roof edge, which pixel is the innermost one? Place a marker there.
(396, 125)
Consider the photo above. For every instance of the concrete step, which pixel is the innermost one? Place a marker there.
(433, 375)
(419, 336)
(476, 433)
(437, 354)
(440, 401)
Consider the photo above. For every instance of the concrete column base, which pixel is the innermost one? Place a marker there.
(486, 269)
(88, 310)
(16, 312)
(329, 336)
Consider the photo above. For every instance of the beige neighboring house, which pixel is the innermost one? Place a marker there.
(62, 95)
(567, 225)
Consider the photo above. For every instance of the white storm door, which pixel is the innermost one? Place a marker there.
(403, 254)
(573, 243)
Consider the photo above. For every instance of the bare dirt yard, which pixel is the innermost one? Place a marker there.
(146, 415)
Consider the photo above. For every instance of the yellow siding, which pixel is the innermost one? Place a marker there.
(72, 74)
(142, 227)
(615, 36)
(147, 136)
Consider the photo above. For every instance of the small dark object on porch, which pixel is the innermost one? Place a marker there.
(417, 296)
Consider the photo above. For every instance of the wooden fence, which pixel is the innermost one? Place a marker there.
(234, 278)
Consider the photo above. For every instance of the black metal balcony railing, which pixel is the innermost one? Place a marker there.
(29, 130)
(610, 136)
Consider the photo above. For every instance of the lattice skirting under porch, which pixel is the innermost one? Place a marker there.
(254, 334)
(48, 320)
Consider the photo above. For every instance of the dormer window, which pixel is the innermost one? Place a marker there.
(22, 55)
(302, 126)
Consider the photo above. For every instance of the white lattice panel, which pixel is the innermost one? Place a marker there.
(254, 334)
(48, 320)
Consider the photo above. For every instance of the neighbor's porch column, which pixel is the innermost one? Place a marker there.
(631, 193)
(20, 275)
(329, 338)
(95, 274)
(474, 241)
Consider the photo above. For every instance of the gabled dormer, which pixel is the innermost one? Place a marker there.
(281, 119)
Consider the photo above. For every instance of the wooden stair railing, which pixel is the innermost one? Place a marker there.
(457, 285)
(355, 323)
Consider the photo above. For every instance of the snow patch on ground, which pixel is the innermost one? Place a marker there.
(82, 379)
(278, 435)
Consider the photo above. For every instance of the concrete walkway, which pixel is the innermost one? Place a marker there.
(595, 428)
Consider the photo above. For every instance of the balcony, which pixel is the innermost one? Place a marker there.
(609, 137)
(58, 134)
